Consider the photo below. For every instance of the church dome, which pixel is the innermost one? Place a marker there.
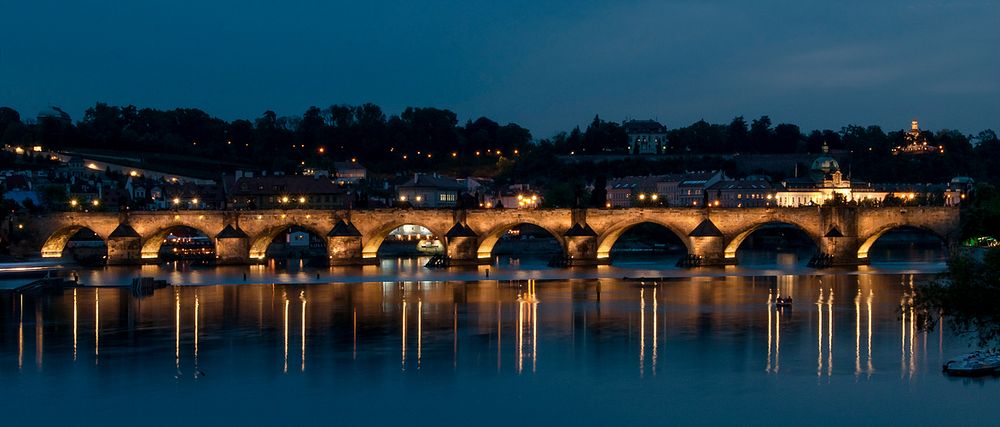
(825, 163)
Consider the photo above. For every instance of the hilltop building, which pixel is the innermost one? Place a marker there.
(916, 142)
(645, 136)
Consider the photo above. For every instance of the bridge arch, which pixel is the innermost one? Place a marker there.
(489, 240)
(607, 241)
(867, 244)
(374, 239)
(740, 237)
(260, 242)
(151, 244)
(56, 242)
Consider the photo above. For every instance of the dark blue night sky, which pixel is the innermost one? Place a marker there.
(545, 65)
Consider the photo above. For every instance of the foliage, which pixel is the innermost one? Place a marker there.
(981, 212)
(966, 296)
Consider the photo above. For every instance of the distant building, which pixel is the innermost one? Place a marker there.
(629, 191)
(288, 191)
(691, 188)
(958, 189)
(916, 143)
(645, 136)
(191, 196)
(349, 172)
(433, 191)
(749, 193)
(683, 189)
(824, 182)
(515, 196)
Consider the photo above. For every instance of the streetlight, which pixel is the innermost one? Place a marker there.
(302, 200)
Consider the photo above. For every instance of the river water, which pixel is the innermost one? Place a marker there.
(396, 343)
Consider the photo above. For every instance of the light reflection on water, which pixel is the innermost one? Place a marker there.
(614, 350)
(751, 263)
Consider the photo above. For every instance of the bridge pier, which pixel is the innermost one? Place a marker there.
(124, 246)
(581, 245)
(842, 249)
(462, 245)
(343, 245)
(232, 246)
(708, 244)
(711, 250)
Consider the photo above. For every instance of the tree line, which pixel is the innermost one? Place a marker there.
(416, 139)
(432, 139)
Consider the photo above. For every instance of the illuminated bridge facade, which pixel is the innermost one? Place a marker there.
(844, 234)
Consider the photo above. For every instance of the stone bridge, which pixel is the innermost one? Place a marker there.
(586, 235)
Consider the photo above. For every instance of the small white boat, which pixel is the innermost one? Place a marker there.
(982, 362)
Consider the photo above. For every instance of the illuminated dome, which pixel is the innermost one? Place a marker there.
(825, 163)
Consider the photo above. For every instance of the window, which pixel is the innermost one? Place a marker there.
(447, 197)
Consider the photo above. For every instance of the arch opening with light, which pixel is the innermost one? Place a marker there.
(512, 240)
(644, 237)
(890, 241)
(773, 236)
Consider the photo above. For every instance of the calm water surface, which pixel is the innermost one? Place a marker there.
(397, 343)
(592, 351)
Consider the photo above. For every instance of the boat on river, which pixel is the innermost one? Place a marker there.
(782, 303)
(431, 247)
(977, 363)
